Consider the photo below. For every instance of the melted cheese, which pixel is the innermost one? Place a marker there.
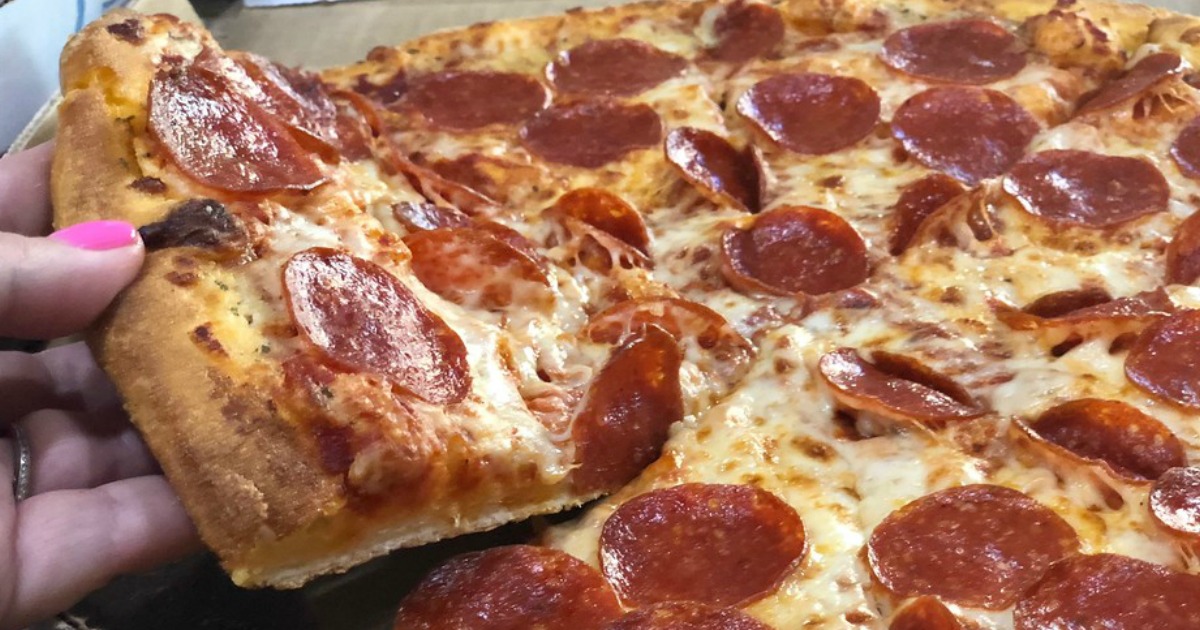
(759, 435)
(750, 437)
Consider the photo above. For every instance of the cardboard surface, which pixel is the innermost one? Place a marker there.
(316, 36)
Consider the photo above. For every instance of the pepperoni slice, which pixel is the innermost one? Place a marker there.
(1087, 189)
(719, 544)
(925, 613)
(1143, 76)
(362, 318)
(687, 616)
(1139, 306)
(746, 30)
(794, 250)
(435, 187)
(917, 201)
(384, 93)
(1075, 307)
(896, 387)
(598, 250)
(720, 172)
(465, 170)
(959, 51)
(680, 318)
(1163, 359)
(299, 98)
(353, 131)
(968, 133)
(1110, 591)
(472, 267)
(1063, 303)
(517, 587)
(1186, 150)
(464, 100)
(1175, 500)
(977, 545)
(605, 211)
(419, 216)
(220, 139)
(350, 100)
(613, 67)
(591, 134)
(1183, 252)
(493, 178)
(811, 113)
(629, 408)
(514, 239)
(1131, 443)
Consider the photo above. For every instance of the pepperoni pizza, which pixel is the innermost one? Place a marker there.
(862, 313)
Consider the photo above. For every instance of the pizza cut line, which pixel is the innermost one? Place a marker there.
(850, 314)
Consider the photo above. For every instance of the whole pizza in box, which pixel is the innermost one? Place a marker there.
(858, 313)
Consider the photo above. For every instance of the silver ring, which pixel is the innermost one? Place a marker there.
(22, 463)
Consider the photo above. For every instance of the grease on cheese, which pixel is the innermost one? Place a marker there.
(762, 436)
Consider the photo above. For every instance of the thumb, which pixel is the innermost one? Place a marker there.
(57, 285)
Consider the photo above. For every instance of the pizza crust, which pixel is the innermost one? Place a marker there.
(240, 486)
(240, 468)
(251, 482)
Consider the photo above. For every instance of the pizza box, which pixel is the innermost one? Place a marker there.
(195, 592)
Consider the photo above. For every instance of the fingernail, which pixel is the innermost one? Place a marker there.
(98, 235)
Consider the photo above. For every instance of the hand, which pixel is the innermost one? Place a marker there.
(98, 508)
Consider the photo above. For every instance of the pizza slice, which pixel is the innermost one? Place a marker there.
(320, 385)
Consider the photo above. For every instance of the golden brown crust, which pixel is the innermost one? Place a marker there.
(90, 173)
(240, 468)
(90, 181)
(239, 484)
(250, 482)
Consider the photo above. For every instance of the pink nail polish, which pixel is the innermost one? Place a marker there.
(98, 235)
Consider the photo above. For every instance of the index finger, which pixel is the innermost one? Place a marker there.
(25, 191)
